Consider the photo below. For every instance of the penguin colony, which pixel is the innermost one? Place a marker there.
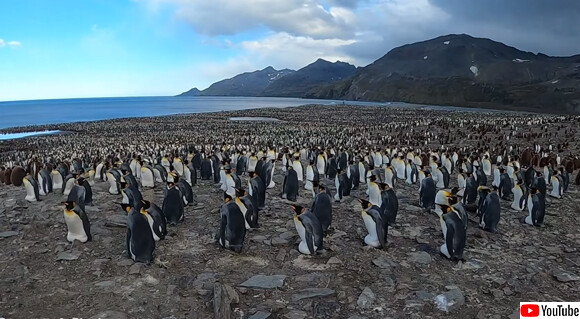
(462, 168)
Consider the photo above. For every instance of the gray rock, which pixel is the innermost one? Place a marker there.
(7, 234)
(260, 315)
(450, 301)
(104, 284)
(420, 257)
(264, 282)
(116, 221)
(384, 263)
(564, 276)
(279, 241)
(223, 297)
(295, 314)
(135, 269)
(366, 299)
(357, 317)
(311, 293)
(125, 262)
(334, 261)
(109, 314)
(66, 255)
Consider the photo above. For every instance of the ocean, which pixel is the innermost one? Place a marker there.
(40, 112)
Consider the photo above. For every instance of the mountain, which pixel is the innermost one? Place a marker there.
(320, 72)
(246, 84)
(192, 92)
(465, 71)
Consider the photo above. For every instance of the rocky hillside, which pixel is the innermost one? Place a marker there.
(192, 92)
(465, 71)
(310, 77)
(246, 84)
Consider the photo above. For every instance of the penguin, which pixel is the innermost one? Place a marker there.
(354, 175)
(376, 227)
(100, 172)
(178, 166)
(69, 182)
(536, 208)
(470, 192)
(390, 204)
(252, 162)
(191, 172)
(77, 223)
(505, 185)
(81, 181)
(297, 166)
(486, 165)
(251, 213)
(540, 183)
(557, 189)
(496, 176)
(206, 169)
(480, 176)
(229, 184)
(411, 172)
(57, 181)
(454, 234)
(140, 240)
(233, 225)
(427, 192)
(131, 195)
(374, 191)
(565, 179)
(362, 172)
(461, 182)
(290, 186)
(147, 176)
(31, 186)
(399, 166)
(129, 178)
(519, 202)
(441, 200)
(2, 175)
(242, 164)
(155, 218)
(45, 184)
(490, 211)
(343, 185)
(257, 190)
(390, 176)
(114, 179)
(529, 176)
(321, 164)
(309, 176)
(17, 176)
(160, 173)
(172, 207)
(309, 229)
(322, 207)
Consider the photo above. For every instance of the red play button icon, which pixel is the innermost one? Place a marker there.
(530, 310)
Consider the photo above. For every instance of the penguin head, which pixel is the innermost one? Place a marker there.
(124, 184)
(124, 171)
(126, 207)
(484, 189)
(373, 178)
(227, 197)
(69, 205)
(252, 174)
(384, 186)
(146, 204)
(170, 184)
(365, 203)
(298, 209)
(80, 181)
(240, 192)
(453, 200)
(454, 190)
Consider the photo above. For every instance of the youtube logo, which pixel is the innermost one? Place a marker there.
(530, 310)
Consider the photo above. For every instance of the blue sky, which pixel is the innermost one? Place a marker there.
(93, 48)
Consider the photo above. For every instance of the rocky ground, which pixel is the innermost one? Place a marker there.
(42, 276)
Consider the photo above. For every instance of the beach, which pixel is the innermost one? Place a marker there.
(43, 278)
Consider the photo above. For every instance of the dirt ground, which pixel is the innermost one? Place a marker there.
(518, 263)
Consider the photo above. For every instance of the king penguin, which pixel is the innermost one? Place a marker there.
(140, 241)
(44, 182)
(374, 191)
(290, 186)
(557, 189)
(427, 192)
(57, 182)
(147, 176)
(233, 225)
(309, 229)
(322, 207)
(31, 186)
(490, 210)
(454, 234)
(519, 202)
(173, 205)
(536, 208)
(156, 219)
(377, 228)
(77, 223)
(257, 190)
(390, 204)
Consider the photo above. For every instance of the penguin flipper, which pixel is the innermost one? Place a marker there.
(449, 239)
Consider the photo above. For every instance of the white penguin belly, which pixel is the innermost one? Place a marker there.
(150, 220)
(30, 196)
(298, 168)
(68, 187)
(371, 239)
(147, 179)
(56, 181)
(41, 185)
(75, 228)
(303, 246)
(112, 184)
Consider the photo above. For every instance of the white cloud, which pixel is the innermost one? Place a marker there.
(12, 44)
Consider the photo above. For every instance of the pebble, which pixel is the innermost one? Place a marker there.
(135, 269)
(65, 255)
(8, 234)
(450, 301)
(420, 257)
(295, 314)
(564, 276)
(366, 299)
(260, 315)
(311, 293)
(109, 314)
